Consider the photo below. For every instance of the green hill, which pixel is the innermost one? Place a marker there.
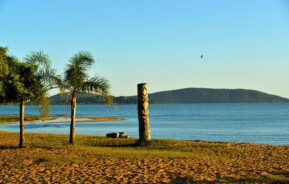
(187, 95)
(82, 98)
(206, 95)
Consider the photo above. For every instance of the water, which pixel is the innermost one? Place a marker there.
(258, 123)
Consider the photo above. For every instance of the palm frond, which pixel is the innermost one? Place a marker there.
(76, 70)
(83, 59)
(56, 81)
(98, 85)
(40, 59)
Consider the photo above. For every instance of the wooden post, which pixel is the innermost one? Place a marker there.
(143, 113)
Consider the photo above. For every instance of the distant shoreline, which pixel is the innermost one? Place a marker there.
(92, 119)
(10, 119)
(185, 95)
(156, 104)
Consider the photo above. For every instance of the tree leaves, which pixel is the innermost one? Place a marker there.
(76, 71)
(76, 77)
(32, 79)
(29, 80)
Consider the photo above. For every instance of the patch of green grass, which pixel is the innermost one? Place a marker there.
(103, 146)
(15, 118)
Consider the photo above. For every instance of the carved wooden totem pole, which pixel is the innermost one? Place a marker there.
(143, 113)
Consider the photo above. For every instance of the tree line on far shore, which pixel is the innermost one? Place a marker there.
(30, 80)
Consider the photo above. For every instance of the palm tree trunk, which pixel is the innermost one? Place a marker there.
(21, 120)
(143, 114)
(72, 125)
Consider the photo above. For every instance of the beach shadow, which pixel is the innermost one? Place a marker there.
(40, 160)
(25, 147)
(2, 147)
(125, 145)
(190, 180)
(285, 174)
(185, 180)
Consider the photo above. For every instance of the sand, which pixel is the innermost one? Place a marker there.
(67, 119)
(94, 160)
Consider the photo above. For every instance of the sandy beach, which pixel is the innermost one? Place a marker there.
(48, 159)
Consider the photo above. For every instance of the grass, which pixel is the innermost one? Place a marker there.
(6, 119)
(121, 161)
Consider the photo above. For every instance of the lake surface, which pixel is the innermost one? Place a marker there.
(258, 123)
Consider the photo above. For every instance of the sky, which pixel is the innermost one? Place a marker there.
(245, 43)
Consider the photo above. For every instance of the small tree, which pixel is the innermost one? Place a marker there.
(27, 82)
(47, 78)
(3, 71)
(76, 79)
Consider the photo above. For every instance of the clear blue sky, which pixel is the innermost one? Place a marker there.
(245, 43)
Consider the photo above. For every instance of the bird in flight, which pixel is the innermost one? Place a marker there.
(201, 56)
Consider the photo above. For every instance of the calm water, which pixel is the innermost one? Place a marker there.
(259, 123)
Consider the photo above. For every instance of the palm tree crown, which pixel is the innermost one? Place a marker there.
(76, 79)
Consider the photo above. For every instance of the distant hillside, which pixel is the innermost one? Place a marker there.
(89, 98)
(82, 98)
(206, 95)
(188, 95)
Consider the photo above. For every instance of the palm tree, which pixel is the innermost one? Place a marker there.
(76, 79)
